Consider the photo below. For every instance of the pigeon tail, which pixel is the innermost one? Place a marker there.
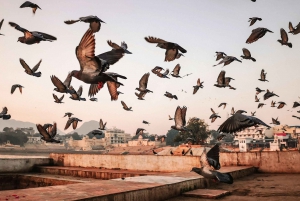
(253, 59)
(290, 45)
(223, 177)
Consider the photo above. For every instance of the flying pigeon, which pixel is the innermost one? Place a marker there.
(101, 125)
(296, 104)
(1, 26)
(257, 34)
(139, 131)
(69, 114)
(97, 132)
(232, 111)
(141, 95)
(253, 114)
(252, 20)
(227, 81)
(281, 105)
(95, 22)
(4, 114)
(62, 87)
(125, 106)
(157, 69)
(172, 49)
(238, 122)
(199, 85)
(48, 136)
(94, 99)
(293, 30)
(227, 60)
(74, 121)
(273, 104)
(221, 80)
(58, 100)
(32, 37)
(284, 38)
(214, 116)
(76, 95)
(175, 72)
(275, 121)
(32, 71)
(296, 117)
(209, 164)
(143, 84)
(145, 122)
(13, 88)
(170, 118)
(260, 105)
(179, 119)
(258, 90)
(220, 55)
(30, 5)
(269, 94)
(171, 96)
(263, 76)
(223, 104)
(247, 54)
(256, 99)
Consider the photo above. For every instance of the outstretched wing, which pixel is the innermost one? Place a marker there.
(16, 26)
(151, 39)
(113, 45)
(36, 66)
(55, 98)
(57, 83)
(4, 110)
(124, 105)
(213, 157)
(69, 122)
(1, 23)
(13, 88)
(112, 56)
(183, 114)
(284, 35)
(221, 78)
(26, 67)
(79, 92)
(178, 117)
(53, 131)
(246, 52)
(112, 88)
(144, 81)
(43, 132)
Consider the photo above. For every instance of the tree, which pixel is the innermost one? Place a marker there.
(5, 129)
(171, 136)
(74, 135)
(198, 131)
(97, 136)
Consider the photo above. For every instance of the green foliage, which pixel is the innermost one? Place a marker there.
(74, 135)
(97, 136)
(145, 136)
(171, 135)
(16, 138)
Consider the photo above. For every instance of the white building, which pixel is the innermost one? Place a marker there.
(87, 144)
(117, 136)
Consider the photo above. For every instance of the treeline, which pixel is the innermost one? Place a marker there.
(15, 137)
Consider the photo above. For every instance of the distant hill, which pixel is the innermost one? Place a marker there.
(86, 127)
(21, 124)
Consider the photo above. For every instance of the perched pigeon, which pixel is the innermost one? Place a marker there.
(1, 26)
(273, 103)
(257, 34)
(32, 71)
(143, 84)
(58, 100)
(199, 85)
(258, 90)
(172, 49)
(256, 99)
(214, 116)
(269, 94)
(145, 122)
(293, 30)
(139, 131)
(252, 20)
(125, 106)
(238, 122)
(13, 88)
(220, 55)
(222, 104)
(281, 105)
(260, 105)
(247, 54)
(97, 132)
(30, 5)
(284, 38)
(275, 121)
(180, 122)
(221, 80)
(209, 164)
(227, 60)
(95, 22)
(62, 87)
(69, 114)
(175, 72)
(48, 136)
(74, 121)
(4, 114)
(101, 125)
(171, 96)
(32, 37)
(94, 99)
(263, 76)
(76, 95)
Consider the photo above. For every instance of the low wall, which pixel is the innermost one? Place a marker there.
(271, 162)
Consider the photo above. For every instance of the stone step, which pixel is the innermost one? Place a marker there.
(206, 193)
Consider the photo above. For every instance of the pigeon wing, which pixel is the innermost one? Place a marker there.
(57, 83)
(79, 92)
(34, 69)
(221, 78)
(124, 105)
(4, 110)
(112, 56)
(26, 67)
(16, 26)
(144, 81)
(151, 39)
(246, 52)
(112, 88)
(69, 122)
(213, 157)
(177, 69)
(53, 131)
(43, 132)
(284, 35)
(1, 23)
(113, 45)
(74, 124)
(55, 98)
(183, 114)
(178, 117)
(223, 177)
(13, 88)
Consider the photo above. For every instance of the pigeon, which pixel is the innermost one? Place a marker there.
(91, 66)
(172, 49)
(180, 119)
(170, 118)
(48, 136)
(171, 96)
(163, 75)
(125, 106)
(296, 117)
(273, 104)
(220, 55)
(263, 76)
(157, 69)
(269, 94)
(171, 152)
(97, 132)
(13, 88)
(4, 114)
(253, 114)
(58, 100)
(296, 104)
(62, 87)
(238, 122)
(209, 164)
(284, 38)
(293, 30)
(183, 153)
(281, 105)
(275, 121)
(95, 22)
(69, 114)
(252, 20)
(141, 95)
(48, 127)
(256, 99)
(214, 116)
(223, 104)
(199, 85)
(112, 89)
(232, 111)
(257, 34)
(32, 71)
(101, 125)
(175, 72)
(143, 84)
(154, 152)
(123, 47)
(247, 55)
(227, 60)
(94, 99)
(32, 37)
(31, 5)
(139, 131)
(145, 122)
(74, 121)
(260, 105)
(1, 26)
(221, 80)
(258, 90)
(77, 95)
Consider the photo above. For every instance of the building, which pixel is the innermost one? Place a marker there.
(159, 141)
(34, 140)
(117, 136)
(87, 144)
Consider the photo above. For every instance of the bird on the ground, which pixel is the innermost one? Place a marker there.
(209, 164)
(258, 90)
(97, 132)
(62, 87)
(139, 131)
(273, 103)
(263, 76)
(260, 105)
(145, 122)
(94, 99)
(32, 37)
(48, 136)
(143, 84)
(140, 95)
(69, 114)
(256, 99)
(74, 121)
(238, 122)
(275, 121)
(30, 5)
(170, 118)
(214, 116)
(227, 60)
(183, 153)
(222, 104)
(32, 71)
(253, 114)
(247, 54)
(294, 30)
(179, 119)
(257, 34)
(269, 94)
(4, 114)
(122, 48)
(296, 117)
(101, 125)
(58, 100)
(171, 96)
(175, 72)
(199, 85)
(95, 22)
(91, 66)
(296, 104)
(227, 81)
(252, 20)
(76, 95)
(220, 55)
(13, 88)
(284, 38)
(125, 106)
(172, 49)
(221, 80)
(281, 105)
(1, 26)
(232, 111)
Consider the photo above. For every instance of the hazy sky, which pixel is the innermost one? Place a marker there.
(201, 27)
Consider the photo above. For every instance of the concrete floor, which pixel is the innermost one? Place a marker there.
(262, 187)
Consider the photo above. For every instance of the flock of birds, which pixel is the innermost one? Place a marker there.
(93, 71)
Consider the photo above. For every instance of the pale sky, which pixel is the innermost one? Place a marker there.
(201, 27)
